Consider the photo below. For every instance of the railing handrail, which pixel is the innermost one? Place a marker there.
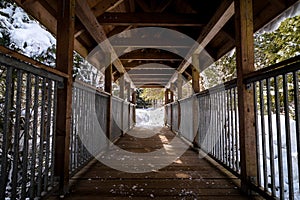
(87, 86)
(13, 62)
(274, 70)
(19, 57)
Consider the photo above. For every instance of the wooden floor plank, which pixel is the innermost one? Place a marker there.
(188, 177)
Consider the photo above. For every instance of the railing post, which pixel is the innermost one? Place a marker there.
(245, 65)
(108, 89)
(64, 63)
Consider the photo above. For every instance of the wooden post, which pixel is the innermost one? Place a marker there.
(108, 89)
(195, 73)
(179, 86)
(64, 63)
(122, 96)
(196, 89)
(167, 96)
(122, 86)
(133, 100)
(128, 86)
(245, 65)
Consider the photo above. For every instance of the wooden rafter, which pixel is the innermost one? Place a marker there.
(220, 18)
(217, 22)
(84, 13)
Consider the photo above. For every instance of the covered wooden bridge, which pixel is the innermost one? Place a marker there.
(54, 126)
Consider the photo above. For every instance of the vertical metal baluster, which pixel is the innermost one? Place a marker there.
(279, 140)
(219, 126)
(261, 97)
(26, 136)
(255, 99)
(17, 131)
(73, 131)
(47, 157)
(232, 130)
(53, 132)
(288, 137)
(213, 111)
(41, 142)
(228, 130)
(223, 125)
(223, 119)
(34, 138)
(215, 126)
(271, 148)
(297, 116)
(236, 130)
(5, 144)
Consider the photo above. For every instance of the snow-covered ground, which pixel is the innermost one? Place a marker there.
(150, 117)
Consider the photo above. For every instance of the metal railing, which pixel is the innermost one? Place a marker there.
(276, 100)
(122, 117)
(218, 132)
(175, 113)
(276, 95)
(88, 122)
(27, 129)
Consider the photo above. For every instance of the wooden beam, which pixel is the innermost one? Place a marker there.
(117, 30)
(105, 5)
(151, 86)
(151, 76)
(37, 64)
(151, 19)
(151, 42)
(150, 55)
(122, 86)
(146, 64)
(166, 97)
(195, 73)
(245, 65)
(153, 72)
(85, 14)
(64, 63)
(217, 22)
(108, 77)
(47, 19)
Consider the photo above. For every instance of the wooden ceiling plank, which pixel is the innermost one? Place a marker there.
(151, 19)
